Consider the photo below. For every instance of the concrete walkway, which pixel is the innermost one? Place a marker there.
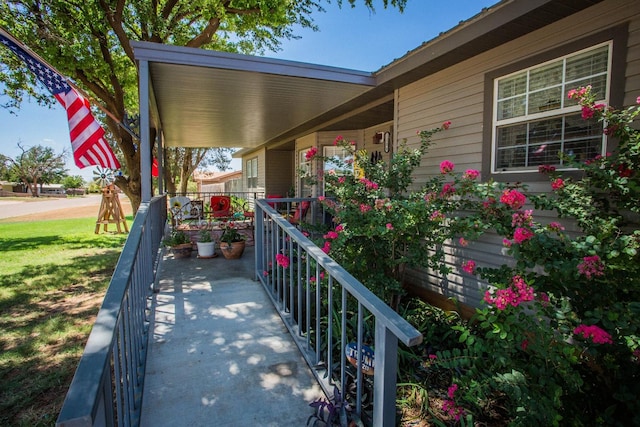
(219, 355)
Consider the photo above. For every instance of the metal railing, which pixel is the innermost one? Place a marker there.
(107, 386)
(335, 320)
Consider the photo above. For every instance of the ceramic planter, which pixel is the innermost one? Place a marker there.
(206, 249)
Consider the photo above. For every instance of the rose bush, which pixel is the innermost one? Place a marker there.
(556, 340)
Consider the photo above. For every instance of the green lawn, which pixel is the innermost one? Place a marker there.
(53, 275)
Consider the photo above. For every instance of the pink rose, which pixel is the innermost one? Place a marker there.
(557, 184)
(522, 235)
(469, 266)
(471, 174)
(446, 167)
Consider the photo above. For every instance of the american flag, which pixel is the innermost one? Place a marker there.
(87, 136)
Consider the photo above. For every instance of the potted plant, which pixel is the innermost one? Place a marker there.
(180, 244)
(206, 245)
(231, 242)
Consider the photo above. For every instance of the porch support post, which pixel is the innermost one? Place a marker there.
(384, 381)
(145, 144)
(160, 162)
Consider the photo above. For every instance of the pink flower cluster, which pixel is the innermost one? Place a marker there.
(591, 266)
(546, 168)
(449, 405)
(332, 235)
(594, 333)
(557, 184)
(283, 260)
(589, 110)
(471, 174)
(364, 208)
(555, 226)
(446, 125)
(310, 154)
(370, 185)
(517, 293)
(513, 198)
(578, 93)
(437, 216)
(447, 190)
(522, 234)
(446, 167)
(469, 266)
(522, 218)
(312, 279)
(381, 203)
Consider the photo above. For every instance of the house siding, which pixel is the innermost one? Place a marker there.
(457, 94)
(279, 172)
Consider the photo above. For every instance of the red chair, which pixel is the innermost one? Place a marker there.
(300, 213)
(273, 196)
(220, 206)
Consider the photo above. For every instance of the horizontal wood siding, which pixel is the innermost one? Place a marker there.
(279, 172)
(457, 94)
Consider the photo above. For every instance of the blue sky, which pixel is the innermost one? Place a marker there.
(348, 38)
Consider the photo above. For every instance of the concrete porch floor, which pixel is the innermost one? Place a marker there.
(219, 354)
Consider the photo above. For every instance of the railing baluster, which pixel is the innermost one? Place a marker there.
(389, 326)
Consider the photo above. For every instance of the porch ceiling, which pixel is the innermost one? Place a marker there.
(216, 99)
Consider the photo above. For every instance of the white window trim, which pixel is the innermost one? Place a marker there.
(250, 171)
(572, 109)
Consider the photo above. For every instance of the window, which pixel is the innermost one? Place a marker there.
(534, 121)
(342, 156)
(252, 173)
(304, 170)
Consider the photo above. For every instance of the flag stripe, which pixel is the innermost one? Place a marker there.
(86, 134)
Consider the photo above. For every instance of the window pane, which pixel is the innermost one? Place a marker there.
(512, 86)
(549, 75)
(588, 63)
(545, 130)
(511, 158)
(512, 135)
(544, 154)
(583, 138)
(545, 100)
(513, 107)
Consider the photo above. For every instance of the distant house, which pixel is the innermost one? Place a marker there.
(501, 77)
(218, 182)
(51, 190)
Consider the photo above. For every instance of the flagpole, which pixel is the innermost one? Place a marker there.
(70, 83)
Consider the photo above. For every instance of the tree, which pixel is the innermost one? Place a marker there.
(73, 181)
(180, 163)
(90, 43)
(36, 165)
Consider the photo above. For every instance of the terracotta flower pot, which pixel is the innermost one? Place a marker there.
(232, 250)
(182, 251)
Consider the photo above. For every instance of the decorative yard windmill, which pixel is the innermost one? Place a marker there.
(110, 208)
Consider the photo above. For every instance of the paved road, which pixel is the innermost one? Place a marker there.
(11, 208)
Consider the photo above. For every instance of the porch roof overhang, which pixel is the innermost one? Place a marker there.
(203, 98)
